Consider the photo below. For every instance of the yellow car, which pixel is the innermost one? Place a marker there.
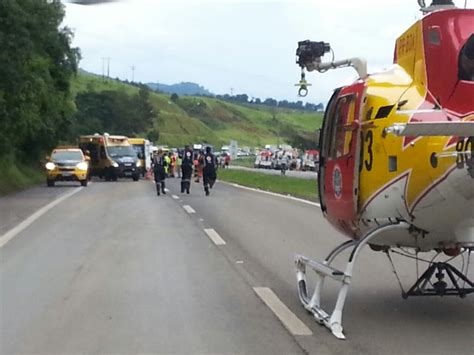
(67, 164)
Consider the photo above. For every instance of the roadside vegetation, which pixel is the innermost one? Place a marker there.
(45, 101)
(285, 185)
(180, 120)
(15, 176)
(36, 102)
(247, 162)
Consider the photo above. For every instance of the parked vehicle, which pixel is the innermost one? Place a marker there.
(111, 156)
(67, 164)
(142, 147)
(264, 160)
(310, 160)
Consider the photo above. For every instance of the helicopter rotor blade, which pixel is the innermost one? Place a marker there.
(90, 2)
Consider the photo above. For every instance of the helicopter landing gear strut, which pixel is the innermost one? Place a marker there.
(333, 321)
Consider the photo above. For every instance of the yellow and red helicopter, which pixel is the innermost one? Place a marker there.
(397, 157)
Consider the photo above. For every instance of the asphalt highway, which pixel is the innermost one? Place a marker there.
(113, 268)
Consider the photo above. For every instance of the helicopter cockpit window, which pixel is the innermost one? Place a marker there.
(466, 61)
(341, 135)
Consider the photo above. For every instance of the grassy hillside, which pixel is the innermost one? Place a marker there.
(15, 176)
(193, 119)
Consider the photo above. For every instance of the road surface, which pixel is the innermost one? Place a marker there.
(113, 268)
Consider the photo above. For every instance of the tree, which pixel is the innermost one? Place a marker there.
(270, 102)
(174, 97)
(37, 66)
(113, 111)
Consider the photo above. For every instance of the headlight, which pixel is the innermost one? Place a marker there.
(115, 164)
(50, 166)
(139, 163)
(82, 166)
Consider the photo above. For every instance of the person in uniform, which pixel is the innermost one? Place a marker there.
(186, 169)
(159, 170)
(209, 170)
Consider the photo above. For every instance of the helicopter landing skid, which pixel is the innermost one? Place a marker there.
(333, 320)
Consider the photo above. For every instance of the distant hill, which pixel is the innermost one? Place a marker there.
(191, 119)
(188, 89)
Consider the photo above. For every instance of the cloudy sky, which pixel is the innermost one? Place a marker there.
(246, 45)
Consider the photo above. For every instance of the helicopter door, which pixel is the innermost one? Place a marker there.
(341, 146)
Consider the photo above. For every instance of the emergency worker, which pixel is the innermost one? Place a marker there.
(186, 169)
(179, 161)
(172, 165)
(159, 170)
(199, 164)
(209, 170)
(168, 164)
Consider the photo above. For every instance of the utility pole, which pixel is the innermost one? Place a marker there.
(231, 91)
(133, 73)
(105, 59)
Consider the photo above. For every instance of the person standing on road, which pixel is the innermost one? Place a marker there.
(227, 160)
(179, 161)
(186, 169)
(159, 170)
(172, 165)
(198, 164)
(167, 159)
(209, 170)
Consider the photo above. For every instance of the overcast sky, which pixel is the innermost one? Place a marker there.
(246, 45)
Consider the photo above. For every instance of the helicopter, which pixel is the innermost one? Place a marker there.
(397, 158)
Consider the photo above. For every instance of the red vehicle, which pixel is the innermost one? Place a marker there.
(264, 160)
(310, 160)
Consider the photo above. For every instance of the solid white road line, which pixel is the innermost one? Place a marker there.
(272, 194)
(175, 197)
(4, 239)
(214, 236)
(189, 209)
(294, 325)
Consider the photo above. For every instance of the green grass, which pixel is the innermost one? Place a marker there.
(248, 162)
(286, 185)
(14, 176)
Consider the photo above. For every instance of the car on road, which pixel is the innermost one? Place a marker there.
(67, 164)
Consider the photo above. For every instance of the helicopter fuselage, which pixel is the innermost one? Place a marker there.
(370, 176)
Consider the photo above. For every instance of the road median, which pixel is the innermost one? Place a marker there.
(301, 188)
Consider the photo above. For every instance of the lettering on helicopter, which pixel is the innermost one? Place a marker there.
(369, 140)
(464, 150)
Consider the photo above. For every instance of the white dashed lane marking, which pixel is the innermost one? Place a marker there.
(4, 239)
(189, 209)
(214, 236)
(294, 325)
